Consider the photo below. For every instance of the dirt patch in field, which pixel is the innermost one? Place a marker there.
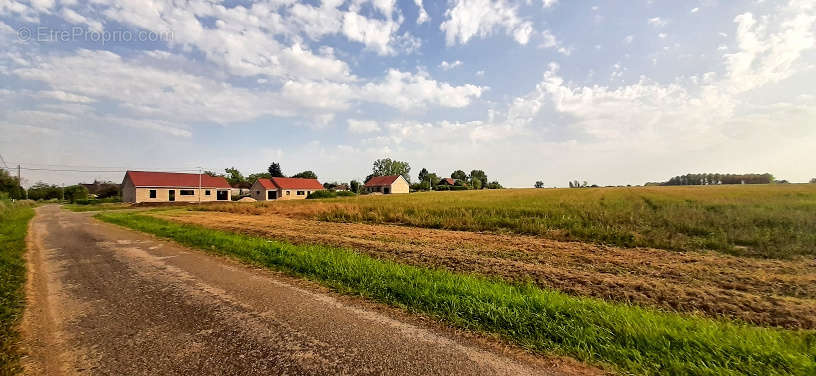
(763, 292)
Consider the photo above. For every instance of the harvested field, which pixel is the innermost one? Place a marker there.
(763, 221)
(763, 292)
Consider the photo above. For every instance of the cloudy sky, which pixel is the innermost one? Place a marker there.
(612, 92)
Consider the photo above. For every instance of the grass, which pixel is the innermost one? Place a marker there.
(769, 221)
(98, 207)
(631, 339)
(14, 218)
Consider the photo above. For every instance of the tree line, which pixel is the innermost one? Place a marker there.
(720, 179)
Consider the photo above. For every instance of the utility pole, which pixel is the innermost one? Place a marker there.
(19, 180)
(199, 185)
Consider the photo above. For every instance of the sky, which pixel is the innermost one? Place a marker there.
(611, 92)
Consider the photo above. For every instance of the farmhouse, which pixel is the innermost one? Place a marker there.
(447, 181)
(147, 186)
(284, 188)
(387, 184)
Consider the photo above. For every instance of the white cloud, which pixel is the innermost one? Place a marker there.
(65, 97)
(470, 18)
(448, 66)
(363, 126)
(695, 10)
(407, 91)
(657, 22)
(423, 15)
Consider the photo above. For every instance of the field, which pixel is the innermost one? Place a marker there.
(653, 280)
(13, 224)
(621, 337)
(768, 221)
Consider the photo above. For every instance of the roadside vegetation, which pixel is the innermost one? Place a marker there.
(768, 221)
(14, 218)
(630, 339)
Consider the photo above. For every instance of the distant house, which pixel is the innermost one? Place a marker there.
(341, 187)
(238, 190)
(148, 186)
(387, 184)
(448, 181)
(284, 188)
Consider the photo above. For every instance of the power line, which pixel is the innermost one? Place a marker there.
(4, 161)
(101, 171)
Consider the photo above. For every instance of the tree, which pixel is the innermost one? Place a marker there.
(42, 191)
(234, 177)
(275, 170)
(10, 186)
(388, 167)
(252, 178)
(459, 175)
(539, 184)
(494, 185)
(355, 186)
(476, 183)
(212, 173)
(423, 175)
(75, 192)
(305, 175)
(478, 175)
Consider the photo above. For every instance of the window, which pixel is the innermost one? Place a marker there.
(152, 193)
(257, 193)
(187, 192)
(288, 193)
(270, 195)
(207, 192)
(301, 193)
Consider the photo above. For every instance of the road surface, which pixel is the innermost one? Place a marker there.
(109, 301)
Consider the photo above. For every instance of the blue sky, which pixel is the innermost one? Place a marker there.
(612, 92)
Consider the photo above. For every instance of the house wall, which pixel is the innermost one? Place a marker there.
(128, 190)
(291, 194)
(142, 194)
(258, 191)
(400, 186)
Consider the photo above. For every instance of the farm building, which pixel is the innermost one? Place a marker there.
(387, 184)
(284, 188)
(447, 181)
(147, 186)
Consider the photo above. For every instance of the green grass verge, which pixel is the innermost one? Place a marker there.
(14, 220)
(631, 339)
(97, 207)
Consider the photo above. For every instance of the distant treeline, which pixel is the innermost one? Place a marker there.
(717, 179)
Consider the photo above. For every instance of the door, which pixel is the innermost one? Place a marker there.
(271, 195)
(172, 195)
(221, 195)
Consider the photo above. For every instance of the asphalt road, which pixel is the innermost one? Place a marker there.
(109, 301)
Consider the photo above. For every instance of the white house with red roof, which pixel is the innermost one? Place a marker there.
(284, 188)
(150, 186)
(387, 184)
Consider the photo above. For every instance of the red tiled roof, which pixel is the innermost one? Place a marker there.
(450, 181)
(379, 181)
(175, 179)
(294, 183)
(267, 184)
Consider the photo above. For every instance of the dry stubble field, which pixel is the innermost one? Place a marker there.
(764, 291)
